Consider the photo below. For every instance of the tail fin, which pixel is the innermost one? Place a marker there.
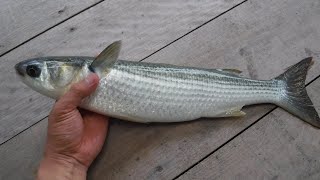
(296, 100)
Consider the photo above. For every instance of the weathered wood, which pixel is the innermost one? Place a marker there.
(279, 146)
(23, 19)
(250, 34)
(144, 27)
(21, 155)
(256, 37)
(248, 37)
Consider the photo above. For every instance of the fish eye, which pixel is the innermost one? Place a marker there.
(33, 71)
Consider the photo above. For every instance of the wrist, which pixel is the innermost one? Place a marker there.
(56, 166)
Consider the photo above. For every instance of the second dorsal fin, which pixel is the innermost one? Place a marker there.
(234, 72)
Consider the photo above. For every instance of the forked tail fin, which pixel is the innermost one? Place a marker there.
(295, 98)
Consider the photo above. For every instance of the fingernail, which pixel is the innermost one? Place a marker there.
(90, 80)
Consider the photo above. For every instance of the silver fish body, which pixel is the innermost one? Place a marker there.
(146, 92)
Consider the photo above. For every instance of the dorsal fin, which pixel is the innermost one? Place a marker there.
(234, 72)
(107, 58)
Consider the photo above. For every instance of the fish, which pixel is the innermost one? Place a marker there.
(152, 92)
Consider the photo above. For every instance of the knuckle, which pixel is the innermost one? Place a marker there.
(76, 89)
(60, 109)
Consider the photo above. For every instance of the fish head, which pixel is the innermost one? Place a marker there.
(53, 76)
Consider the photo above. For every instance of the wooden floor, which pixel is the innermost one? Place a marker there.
(259, 37)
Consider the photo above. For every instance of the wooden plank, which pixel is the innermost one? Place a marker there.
(279, 146)
(20, 157)
(23, 19)
(253, 32)
(262, 38)
(144, 27)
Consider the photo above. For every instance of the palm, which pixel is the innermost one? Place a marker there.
(93, 136)
(79, 134)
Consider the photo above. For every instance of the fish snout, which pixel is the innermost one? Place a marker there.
(20, 69)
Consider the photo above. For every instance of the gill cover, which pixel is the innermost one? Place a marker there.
(106, 59)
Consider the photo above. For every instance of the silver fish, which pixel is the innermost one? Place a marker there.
(148, 92)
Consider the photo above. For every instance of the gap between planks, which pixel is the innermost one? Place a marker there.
(250, 125)
(232, 138)
(194, 30)
(215, 150)
(44, 31)
(210, 20)
(24, 130)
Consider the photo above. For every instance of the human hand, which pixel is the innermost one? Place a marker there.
(75, 136)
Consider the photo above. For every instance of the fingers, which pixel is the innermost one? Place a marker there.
(77, 92)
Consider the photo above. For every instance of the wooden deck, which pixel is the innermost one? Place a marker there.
(261, 38)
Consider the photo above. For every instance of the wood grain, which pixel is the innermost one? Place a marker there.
(259, 38)
(20, 157)
(279, 146)
(23, 19)
(256, 32)
(144, 26)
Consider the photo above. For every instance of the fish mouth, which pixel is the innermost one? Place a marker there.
(20, 69)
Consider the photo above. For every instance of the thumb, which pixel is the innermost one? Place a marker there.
(70, 100)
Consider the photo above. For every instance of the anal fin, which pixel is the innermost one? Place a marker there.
(227, 112)
(236, 111)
